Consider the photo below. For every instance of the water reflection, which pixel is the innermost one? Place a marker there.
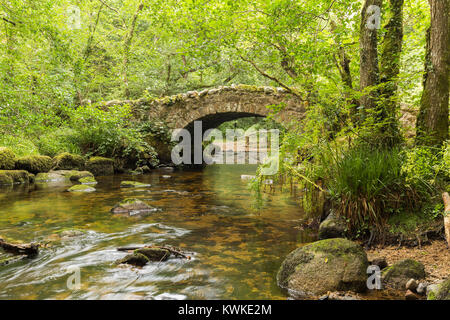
(238, 245)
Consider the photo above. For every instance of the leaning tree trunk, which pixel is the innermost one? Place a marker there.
(432, 121)
(389, 70)
(369, 71)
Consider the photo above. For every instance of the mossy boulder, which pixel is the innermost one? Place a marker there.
(99, 166)
(87, 180)
(8, 177)
(81, 188)
(133, 184)
(440, 292)
(397, 275)
(34, 164)
(332, 227)
(132, 206)
(326, 265)
(7, 159)
(68, 161)
(5, 180)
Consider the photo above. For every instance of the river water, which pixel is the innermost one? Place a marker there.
(238, 242)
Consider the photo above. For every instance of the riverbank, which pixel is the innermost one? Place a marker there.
(434, 256)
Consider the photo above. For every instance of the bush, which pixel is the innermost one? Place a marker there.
(19, 145)
(6, 159)
(58, 141)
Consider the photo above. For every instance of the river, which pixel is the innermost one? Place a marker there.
(238, 242)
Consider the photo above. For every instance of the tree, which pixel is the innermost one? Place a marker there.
(432, 122)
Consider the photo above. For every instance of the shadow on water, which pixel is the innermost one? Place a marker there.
(238, 245)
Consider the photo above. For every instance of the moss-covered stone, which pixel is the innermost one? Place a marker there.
(68, 161)
(81, 188)
(332, 227)
(135, 259)
(100, 166)
(34, 164)
(7, 159)
(16, 176)
(5, 180)
(87, 180)
(442, 291)
(133, 184)
(397, 275)
(50, 177)
(326, 265)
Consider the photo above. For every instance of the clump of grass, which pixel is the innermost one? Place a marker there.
(368, 186)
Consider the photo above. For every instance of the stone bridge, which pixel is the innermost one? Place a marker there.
(216, 106)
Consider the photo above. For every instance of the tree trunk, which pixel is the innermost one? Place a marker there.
(126, 50)
(446, 199)
(432, 121)
(389, 70)
(369, 71)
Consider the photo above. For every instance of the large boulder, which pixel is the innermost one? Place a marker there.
(7, 159)
(68, 161)
(440, 291)
(332, 227)
(34, 164)
(326, 265)
(397, 275)
(99, 166)
(8, 177)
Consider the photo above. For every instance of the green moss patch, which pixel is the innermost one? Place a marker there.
(81, 188)
(34, 164)
(8, 177)
(99, 166)
(87, 180)
(68, 161)
(133, 184)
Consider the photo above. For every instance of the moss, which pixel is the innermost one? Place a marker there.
(154, 254)
(87, 180)
(7, 157)
(81, 188)
(16, 176)
(443, 291)
(135, 259)
(250, 88)
(100, 166)
(34, 164)
(5, 180)
(133, 184)
(397, 275)
(68, 161)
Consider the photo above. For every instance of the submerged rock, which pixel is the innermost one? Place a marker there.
(332, 227)
(34, 164)
(68, 161)
(326, 265)
(81, 188)
(132, 207)
(154, 254)
(397, 275)
(7, 159)
(100, 166)
(133, 184)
